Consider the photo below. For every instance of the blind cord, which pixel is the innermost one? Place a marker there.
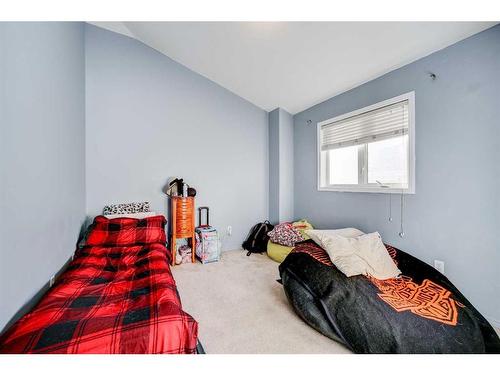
(390, 207)
(401, 228)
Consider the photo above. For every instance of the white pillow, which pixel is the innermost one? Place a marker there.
(138, 215)
(361, 255)
(344, 232)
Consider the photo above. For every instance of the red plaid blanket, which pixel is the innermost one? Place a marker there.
(111, 299)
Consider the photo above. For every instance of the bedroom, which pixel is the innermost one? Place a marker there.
(387, 128)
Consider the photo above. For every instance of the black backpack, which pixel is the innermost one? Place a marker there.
(257, 238)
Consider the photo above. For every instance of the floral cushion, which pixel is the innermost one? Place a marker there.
(285, 234)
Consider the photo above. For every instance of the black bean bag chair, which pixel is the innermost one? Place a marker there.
(420, 312)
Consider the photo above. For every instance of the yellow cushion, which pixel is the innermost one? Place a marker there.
(277, 252)
(302, 226)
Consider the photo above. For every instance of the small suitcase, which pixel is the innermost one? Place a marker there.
(207, 240)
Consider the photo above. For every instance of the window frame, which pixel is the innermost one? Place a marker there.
(373, 188)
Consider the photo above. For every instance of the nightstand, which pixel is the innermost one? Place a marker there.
(182, 223)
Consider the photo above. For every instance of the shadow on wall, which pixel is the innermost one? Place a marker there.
(30, 304)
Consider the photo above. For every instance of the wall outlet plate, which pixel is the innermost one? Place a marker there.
(439, 265)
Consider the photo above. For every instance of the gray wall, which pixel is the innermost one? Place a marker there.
(274, 166)
(281, 130)
(455, 213)
(42, 155)
(286, 166)
(149, 118)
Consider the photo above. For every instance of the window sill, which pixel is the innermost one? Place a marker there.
(366, 189)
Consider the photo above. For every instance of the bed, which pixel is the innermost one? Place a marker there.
(420, 312)
(118, 295)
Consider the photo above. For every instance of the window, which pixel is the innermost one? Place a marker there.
(369, 150)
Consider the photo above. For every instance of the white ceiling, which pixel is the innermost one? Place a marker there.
(294, 65)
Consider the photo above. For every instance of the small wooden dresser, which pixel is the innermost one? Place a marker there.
(182, 219)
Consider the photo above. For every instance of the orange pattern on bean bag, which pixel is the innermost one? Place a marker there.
(428, 300)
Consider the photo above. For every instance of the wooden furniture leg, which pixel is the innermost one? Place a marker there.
(173, 245)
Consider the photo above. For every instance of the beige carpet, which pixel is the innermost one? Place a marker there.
(241, 308)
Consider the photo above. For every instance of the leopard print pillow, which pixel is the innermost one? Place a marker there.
(126, 208)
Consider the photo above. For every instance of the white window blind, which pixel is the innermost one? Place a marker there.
(382, 123)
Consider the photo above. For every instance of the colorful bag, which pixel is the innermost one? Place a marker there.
(208, 246)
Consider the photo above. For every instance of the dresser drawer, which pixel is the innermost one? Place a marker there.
(184, 225)
(184, 206)
(184, 232)
(184, 215)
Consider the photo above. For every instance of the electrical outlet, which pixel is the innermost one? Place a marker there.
(229, 230)
(52, 280)
(439, 265)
